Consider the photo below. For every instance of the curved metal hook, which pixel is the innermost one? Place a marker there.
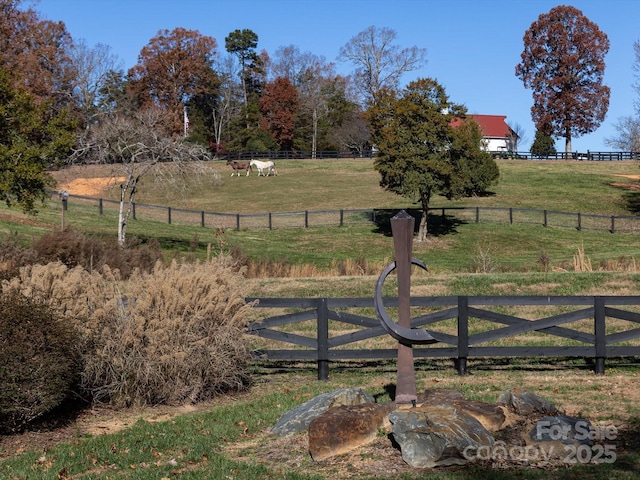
(402, 334)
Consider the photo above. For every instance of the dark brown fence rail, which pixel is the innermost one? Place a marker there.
(599, 328)
(369, 153)
(339, 218)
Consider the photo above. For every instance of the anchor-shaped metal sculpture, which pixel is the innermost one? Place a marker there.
(402, 226)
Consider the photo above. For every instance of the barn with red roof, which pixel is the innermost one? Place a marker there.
(498, 136)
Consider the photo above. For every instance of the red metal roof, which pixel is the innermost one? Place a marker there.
(492, 126)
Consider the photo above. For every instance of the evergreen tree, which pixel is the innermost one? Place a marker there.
(420, 154)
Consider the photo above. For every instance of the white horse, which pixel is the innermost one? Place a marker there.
(264, 168)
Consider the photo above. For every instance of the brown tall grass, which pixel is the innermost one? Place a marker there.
(170, 336)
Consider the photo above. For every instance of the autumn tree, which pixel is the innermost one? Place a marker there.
(320, 90)
(39, 51)
(137, 146)
(36, 125)
(419, 152)
(171, 69)
(563, 64)
(379, 63)
(31, 140)
(279, 104)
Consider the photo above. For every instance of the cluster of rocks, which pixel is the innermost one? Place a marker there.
(442, 428)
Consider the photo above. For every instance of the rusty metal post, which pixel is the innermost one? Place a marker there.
(402, 226)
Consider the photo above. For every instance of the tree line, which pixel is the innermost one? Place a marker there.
(190, 97)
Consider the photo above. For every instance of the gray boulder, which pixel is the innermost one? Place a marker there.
(437, 435)
(298, 419)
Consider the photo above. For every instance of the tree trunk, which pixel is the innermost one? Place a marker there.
(422, 230)
(126, 189)
(122, 220)
(314, 138)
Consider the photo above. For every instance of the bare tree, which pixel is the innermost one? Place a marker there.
(354, 133)
(138, 145)
(628, 135)
(379, 63)
(517, 136)
(628, 128)
(94, 67)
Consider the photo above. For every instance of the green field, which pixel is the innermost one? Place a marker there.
(464, 246)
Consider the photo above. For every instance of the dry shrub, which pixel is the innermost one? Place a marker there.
(169, 336)
(13, 255)
(74, 248)
(283, 268)
(483, 259)
(581, 262)
(38, 361)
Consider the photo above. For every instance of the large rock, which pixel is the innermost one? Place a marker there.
(298, 420)
(437, 435)
(526, 403)
(568, 430)
(342, 429)
(491, 416)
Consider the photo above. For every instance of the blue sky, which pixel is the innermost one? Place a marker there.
(472, 46)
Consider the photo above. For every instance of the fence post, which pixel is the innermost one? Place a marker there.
(544, 224)
(323, 339)
(306, 219)
(600, 334)
(100, 206)
(463, 334)
(477, 214)
(270, 222)
(202, 218)
(579, 221)
(237, 221)
(169, 215)
(134, 211)
(510, 216)
(613, 224)
(341, 217)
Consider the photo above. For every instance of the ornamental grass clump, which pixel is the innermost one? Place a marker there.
(169, 336)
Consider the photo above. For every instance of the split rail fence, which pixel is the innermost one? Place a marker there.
(343, 217)
(590, 327)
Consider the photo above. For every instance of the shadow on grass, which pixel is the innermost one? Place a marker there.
(437, 225)
(632, 202)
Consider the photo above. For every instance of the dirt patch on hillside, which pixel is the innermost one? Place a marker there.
(628, 186)
(90, 187)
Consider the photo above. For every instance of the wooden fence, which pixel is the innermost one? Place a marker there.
(371, 216)
(370, 153)
(579, 326)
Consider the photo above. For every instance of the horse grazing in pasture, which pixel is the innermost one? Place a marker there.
(264, 168)
(238, 166)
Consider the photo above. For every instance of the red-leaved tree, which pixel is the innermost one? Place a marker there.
(279, 106)
(171, 69)
(563, 64)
